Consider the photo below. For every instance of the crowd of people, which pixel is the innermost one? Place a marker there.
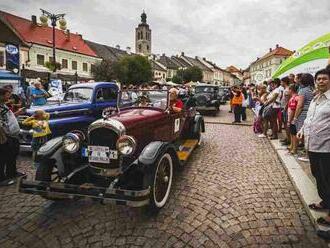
(298, 107)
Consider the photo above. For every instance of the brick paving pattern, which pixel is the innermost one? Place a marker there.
(233, 192)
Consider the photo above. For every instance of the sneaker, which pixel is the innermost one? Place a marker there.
(303, 159)
(262, 136)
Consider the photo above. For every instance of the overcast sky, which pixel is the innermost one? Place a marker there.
(224, 31)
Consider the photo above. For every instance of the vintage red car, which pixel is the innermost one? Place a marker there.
(127, 157)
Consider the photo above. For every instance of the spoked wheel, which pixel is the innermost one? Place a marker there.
(162, 182)
(48, 172)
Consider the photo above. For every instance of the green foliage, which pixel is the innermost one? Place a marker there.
(51, 66)
(133, 70)
(103, 71)
(193, 74)
(190, 74)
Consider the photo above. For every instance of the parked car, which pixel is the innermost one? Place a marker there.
(223, 95)
(81, 105)
(207, 98)
(127, 157)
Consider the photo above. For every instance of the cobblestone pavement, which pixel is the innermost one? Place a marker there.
(233, 192)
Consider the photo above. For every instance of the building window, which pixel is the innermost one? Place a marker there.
(138, 34)
(74, 65)
(64, 64)
(40, 59)
(141, 35)
(85, 67)
(92, 67)
(51, 59)
(140, 47)
(147, 47)
(2, 58)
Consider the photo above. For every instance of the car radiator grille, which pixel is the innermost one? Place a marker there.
(104, 137)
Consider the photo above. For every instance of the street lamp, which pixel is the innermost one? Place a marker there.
(53, 18)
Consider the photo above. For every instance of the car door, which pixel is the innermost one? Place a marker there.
(104, 97)
(177, 122)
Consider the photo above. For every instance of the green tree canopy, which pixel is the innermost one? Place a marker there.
(103, 71)
(190, 74)
(133, 70)
(193, 73)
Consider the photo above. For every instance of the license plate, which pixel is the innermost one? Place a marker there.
(101, 154)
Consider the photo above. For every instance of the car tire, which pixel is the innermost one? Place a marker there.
(47, 172)
(160, 182)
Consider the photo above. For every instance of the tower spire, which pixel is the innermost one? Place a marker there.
(143, 17)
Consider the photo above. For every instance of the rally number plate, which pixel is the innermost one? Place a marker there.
(101, 154)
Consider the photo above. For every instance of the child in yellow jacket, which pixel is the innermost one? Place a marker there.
(39, 123)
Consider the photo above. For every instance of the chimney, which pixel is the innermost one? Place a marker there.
(118, 47)
(182, 53)
(128, 50)
(277, 46)
(270, 50)
(196, 57)
(34, 20)
(163, 54)
(67, 34)
(204, 58)
(80, 35)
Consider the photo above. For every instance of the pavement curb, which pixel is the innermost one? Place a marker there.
(228, 123)
(304, 186)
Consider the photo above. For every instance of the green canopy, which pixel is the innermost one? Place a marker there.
(308, 59)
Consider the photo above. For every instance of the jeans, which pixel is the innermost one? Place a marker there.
(321, 171)
(8, 154)
(237, 112)
(244, 113)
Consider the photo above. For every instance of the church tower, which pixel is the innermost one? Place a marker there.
(143, 37)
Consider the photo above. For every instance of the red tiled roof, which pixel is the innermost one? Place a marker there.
(43, 35)
(233, 69)
(279, 51)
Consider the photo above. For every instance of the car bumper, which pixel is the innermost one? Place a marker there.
(132, 198)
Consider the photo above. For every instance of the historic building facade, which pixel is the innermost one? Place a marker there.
(262, 68)
(35, 44)
(143, 37)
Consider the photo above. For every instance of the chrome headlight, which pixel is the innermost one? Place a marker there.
(126, 145)
(71, 142)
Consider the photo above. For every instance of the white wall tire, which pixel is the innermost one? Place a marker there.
(162, 181)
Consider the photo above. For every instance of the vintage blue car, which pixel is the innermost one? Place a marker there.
(81, 105)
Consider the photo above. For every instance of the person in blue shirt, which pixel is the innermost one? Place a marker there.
(38, 95)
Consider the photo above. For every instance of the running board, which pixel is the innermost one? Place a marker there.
(186, 148)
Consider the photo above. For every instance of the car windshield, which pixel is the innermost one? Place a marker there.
(205, 89)
(146, 98)
(78, 94)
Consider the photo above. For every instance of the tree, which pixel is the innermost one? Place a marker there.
(103, 71)
(133, 70)
(193, 73)
(190, 74)
(178, 77)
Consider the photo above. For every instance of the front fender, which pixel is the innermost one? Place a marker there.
(198, 122)
(153, 150)
(52, 150)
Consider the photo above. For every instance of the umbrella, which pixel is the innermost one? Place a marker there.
(308, 59)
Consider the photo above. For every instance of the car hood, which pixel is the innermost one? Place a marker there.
(138, 116)
(64, 106)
